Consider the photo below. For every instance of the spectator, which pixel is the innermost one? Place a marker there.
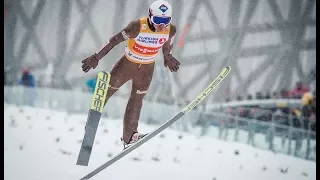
(313, 75)
(267, 95)
(259, 96)
(274, 95)
(27, 78)
(296, 135)
(284, 94)
(308, 108)
(307, 99)
(299, 90)
(239, 98)
(91, 84)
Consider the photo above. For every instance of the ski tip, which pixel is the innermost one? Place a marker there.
(228, 68)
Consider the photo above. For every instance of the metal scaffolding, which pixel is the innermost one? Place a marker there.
(280, 57)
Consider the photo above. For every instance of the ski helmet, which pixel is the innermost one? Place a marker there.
(160, 12)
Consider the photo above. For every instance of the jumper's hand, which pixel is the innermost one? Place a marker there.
(88, 63)
(171, 63)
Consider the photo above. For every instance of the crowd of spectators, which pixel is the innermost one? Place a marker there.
(303, 116)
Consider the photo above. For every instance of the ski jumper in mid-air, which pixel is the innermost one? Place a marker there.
(146, 36)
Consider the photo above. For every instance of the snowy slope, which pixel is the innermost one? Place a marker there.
(41, 144)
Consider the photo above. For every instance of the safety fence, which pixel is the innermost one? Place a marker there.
(299, 141)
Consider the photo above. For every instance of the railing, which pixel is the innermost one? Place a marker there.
(255, 102)
(299, 141)
(273, 136)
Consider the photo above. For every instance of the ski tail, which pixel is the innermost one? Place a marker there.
(97, 105)
(213, 85)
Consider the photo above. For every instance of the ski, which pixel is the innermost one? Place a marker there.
(223, 74)
(94, 114)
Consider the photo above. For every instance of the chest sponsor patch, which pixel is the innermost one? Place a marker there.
(148, 40)
(145, 50)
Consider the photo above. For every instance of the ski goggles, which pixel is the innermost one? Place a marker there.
(160, 20)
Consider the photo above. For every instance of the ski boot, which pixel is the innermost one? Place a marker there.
(134, 138)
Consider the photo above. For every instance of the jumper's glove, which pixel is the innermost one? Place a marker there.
(90, 62)
(171, 63)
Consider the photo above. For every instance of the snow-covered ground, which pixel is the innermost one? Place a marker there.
(42, 144)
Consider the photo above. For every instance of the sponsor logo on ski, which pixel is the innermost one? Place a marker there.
(101, 90)
(206, 92)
